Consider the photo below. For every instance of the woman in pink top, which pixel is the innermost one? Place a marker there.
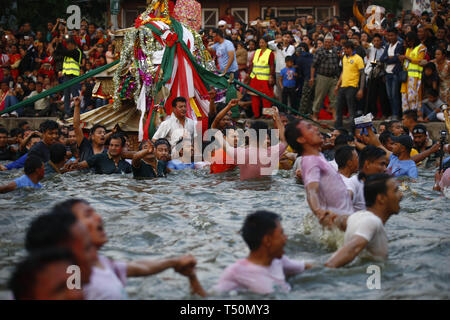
(259, 158)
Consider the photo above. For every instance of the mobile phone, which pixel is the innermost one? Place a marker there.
(268, 111)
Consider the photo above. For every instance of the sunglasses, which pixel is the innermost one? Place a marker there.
(419, 130)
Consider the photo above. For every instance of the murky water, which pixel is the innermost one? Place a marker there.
(195, 212)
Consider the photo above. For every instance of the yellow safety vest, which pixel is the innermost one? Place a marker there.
(414, 70)
(261, 67)
(71, 66)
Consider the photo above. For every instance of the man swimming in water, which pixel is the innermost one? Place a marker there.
(325, 189)
(365, 234)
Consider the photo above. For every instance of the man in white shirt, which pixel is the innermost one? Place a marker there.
(176, 126)
(372, 160)
(375, 72)
(365, 233)
(283, 49)
(347, 160)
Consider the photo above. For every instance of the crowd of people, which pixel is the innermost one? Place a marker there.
(350, 177)
(332, 68)
(34, 59)
(350, 184)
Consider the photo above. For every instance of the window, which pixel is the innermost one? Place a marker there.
(324, 13)
(210, 17)
(286, 12)
(240, 14)
(303, 11)
(264, 9)
(128, 17)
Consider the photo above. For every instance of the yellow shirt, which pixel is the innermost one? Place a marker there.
(350, 73)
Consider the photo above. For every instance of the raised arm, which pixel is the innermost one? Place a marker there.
(223, 112)
(347, 253)
(141, 154)
(76, 121)
(278, 125)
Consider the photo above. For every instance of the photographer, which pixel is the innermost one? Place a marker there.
(71, 68)
(375, 73)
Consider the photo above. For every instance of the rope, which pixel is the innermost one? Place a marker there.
(278, 103)
(60, 87)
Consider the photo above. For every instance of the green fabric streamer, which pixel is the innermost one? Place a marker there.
(60, 87)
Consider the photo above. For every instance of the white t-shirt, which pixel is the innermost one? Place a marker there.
(173, 130)
(367, 225)
(108, 283)
(357, 188)
(244, 275)
(391, 52)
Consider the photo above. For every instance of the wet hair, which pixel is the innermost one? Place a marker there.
(162, 141)
(118, 136)
(57, 152)
(95, 127)
(32, 164)
(370, 153)
(23, 278)
(68, 205)
(411, 114)
(374, 185)
(291, 133)
(178, 99)
(256, 226)
(48, 125)
(343, 155)
(385, 136)
(50, 230)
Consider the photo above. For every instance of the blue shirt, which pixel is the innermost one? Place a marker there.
(178, 165)
(19, 163)
(402, 167)
(24, 182)
(222, 50)
(288, 76)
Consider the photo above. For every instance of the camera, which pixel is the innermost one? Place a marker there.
(443, 137)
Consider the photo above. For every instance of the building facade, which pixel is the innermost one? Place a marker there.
(247, 10)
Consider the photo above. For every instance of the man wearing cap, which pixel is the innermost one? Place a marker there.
(71, 69)
(400, 162)
(326, 65)
(422, 143)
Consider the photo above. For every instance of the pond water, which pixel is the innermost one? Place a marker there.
(195, 212)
